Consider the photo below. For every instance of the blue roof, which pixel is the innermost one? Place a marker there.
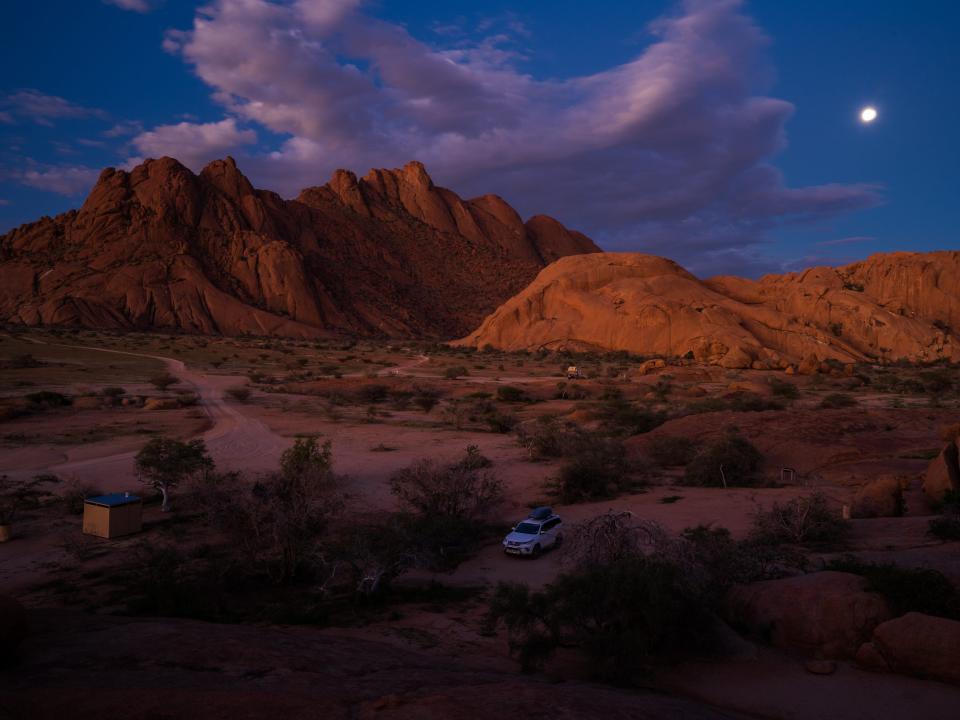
(113, 499)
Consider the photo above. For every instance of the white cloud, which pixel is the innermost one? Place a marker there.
(70, 180)
(193, 144)
(670, 150)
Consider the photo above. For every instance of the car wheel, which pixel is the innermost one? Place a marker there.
(536, 551)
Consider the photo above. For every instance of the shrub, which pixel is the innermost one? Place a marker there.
(784, 388)
(621, 417)
(426, 399)
(837, 400)
(373, 393)
(501, 422)
(668, 450)
(163, 381)
(47, 398)
(455, 371)
(474, 459)
(625, 617)
(730, 460)
(445, 508)
(922, 590)
(113, 392)
(947, 526)
(803, 520)
(240, 394)
(547, 438)
(25, 361)
(75, 493)
(509, 393)
(598, 471)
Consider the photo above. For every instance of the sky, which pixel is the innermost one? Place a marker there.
(721, 133)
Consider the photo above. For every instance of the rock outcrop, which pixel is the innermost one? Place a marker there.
(887, 308)
(159, 247)
(915, 644)
(943, 474)
(829, 614)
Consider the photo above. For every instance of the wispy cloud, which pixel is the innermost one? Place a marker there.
(853, 240)
(44, 109)
(140, 6)
(69, 180)
(668, 152)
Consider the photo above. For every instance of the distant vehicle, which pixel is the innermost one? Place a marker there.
(541, 530)
(573, 373)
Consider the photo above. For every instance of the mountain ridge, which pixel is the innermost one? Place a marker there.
(160, 247)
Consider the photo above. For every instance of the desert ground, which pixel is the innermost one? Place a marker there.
(249, 399)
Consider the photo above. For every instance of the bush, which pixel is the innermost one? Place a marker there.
(784, 388)
(626, 617)
(240, 394)
(474, 459)
(163, 381)
(501, 422)
(113, 392)
(837, 400)
(25, 361)
(47, 398)
(621, 417)
(455, 371)
(508, 393)
(445, 508)
(803, 520)
(598, 471)
(426, 399)
(921, 590)
(547, 438)
(730, 460)
(669, 450)
(75, 493)
(374, 393)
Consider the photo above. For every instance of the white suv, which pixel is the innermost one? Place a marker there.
(543, 529)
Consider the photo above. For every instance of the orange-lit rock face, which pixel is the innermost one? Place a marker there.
(160, 247)
(889, 307)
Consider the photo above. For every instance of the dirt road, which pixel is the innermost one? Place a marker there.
(234, 440)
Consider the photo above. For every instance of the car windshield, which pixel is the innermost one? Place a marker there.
(526, 528)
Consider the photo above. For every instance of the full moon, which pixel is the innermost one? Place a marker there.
(868, 114)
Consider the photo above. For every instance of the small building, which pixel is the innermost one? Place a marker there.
(113, 515)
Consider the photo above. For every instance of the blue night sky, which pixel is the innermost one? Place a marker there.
(723, 134)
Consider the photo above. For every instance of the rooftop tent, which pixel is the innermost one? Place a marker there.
(113, 515)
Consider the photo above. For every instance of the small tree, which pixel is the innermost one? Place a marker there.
(163, 463)
(807, 519)
(163, 381)
(16, 495)
(731, 460)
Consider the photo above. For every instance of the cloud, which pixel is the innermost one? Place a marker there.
(44, 109)
(194, 144)
(846, 240)
(69, 180)
(125, 127)
(669, 151)
(140, 6)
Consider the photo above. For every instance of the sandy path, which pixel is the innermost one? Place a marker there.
(234, 440)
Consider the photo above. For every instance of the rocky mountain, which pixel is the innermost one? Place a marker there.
(888, 307)
(162, 248)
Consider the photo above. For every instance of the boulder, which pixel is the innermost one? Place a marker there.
(13, 626)
(648, 366)
(828, 614)
(882, 497)
(943, 474)
(810, 365)
(921, 645)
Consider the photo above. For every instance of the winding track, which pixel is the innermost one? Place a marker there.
(234, 440)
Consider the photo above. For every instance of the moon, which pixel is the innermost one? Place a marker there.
(868, 114)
